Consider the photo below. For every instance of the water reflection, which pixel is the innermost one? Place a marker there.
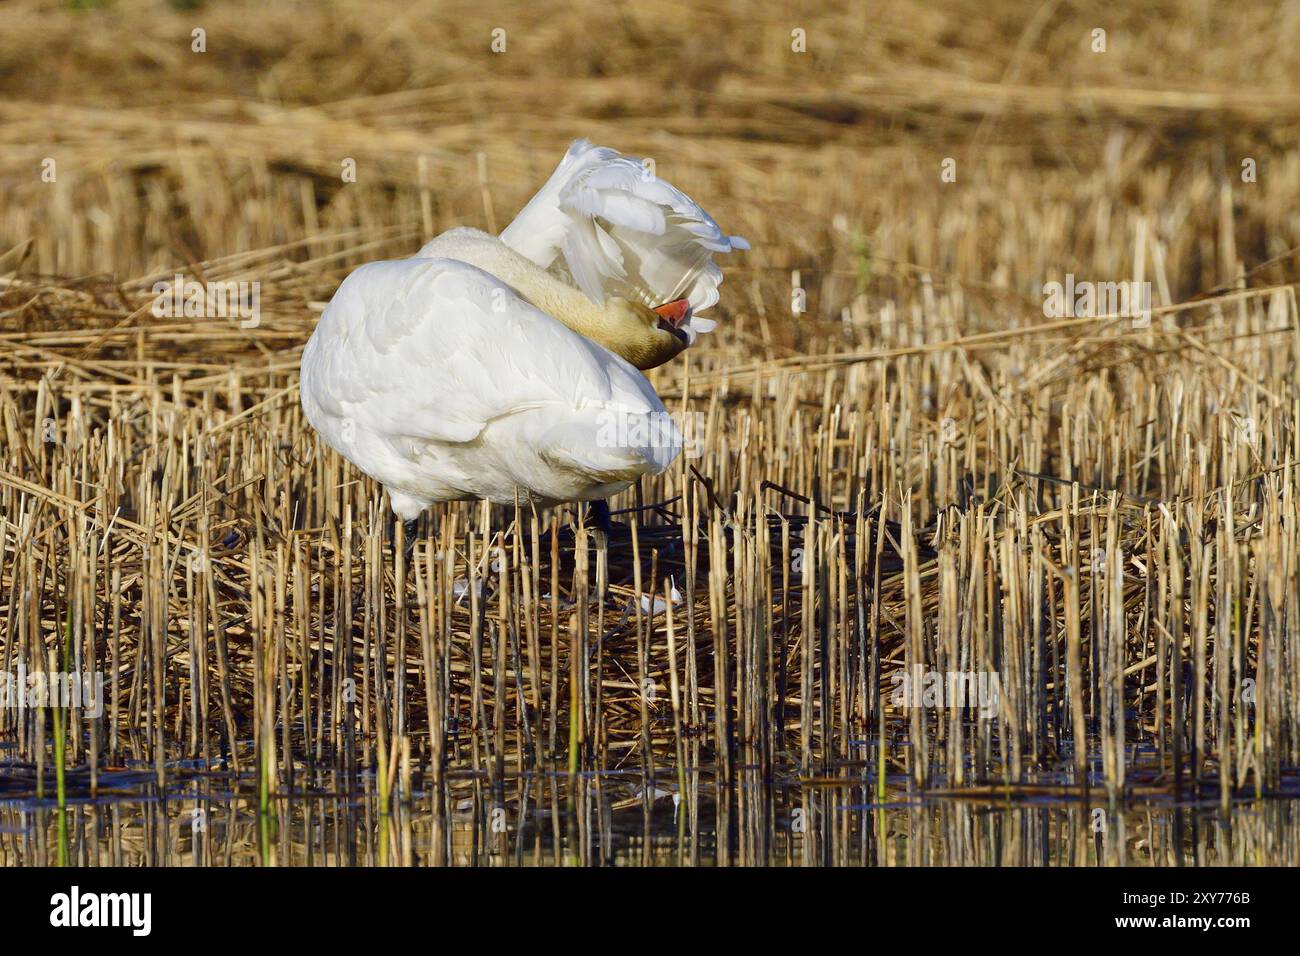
(202, 817)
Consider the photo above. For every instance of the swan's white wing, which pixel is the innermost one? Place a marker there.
(392, 323)
(414, 352)
(617, 229)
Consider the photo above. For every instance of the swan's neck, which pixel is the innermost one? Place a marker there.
(613, 325)
(556, 298)
(540, 288)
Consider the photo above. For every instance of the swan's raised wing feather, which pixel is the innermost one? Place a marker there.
(617, 229)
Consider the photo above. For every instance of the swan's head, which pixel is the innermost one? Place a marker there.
(644, 336)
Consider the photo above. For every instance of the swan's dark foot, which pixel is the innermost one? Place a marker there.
(598, 513)
(659, 507)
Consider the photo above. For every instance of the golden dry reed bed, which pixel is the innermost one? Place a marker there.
(920, 470)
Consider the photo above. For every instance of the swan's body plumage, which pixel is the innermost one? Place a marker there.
(417, 371)
(458, 373)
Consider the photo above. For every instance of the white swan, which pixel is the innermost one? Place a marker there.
(507, 369)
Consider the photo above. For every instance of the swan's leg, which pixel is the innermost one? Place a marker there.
(390, 533)
(598, 512)
(411, 534)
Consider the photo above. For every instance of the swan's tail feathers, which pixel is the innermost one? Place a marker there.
(616, 446)
(616, 229)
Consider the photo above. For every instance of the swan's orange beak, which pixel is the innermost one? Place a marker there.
(675, 312)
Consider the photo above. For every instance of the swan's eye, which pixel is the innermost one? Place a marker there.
(677, 332)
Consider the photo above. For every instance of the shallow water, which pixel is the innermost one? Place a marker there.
(210, 817)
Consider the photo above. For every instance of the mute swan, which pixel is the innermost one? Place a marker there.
(507, 368)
